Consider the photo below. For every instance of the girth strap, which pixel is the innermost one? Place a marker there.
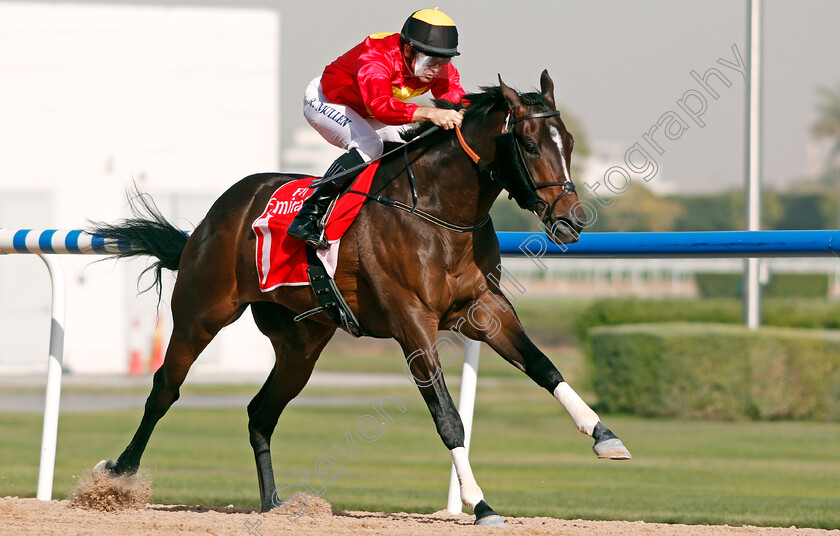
(328, 295)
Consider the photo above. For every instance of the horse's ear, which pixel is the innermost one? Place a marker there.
(512, 98)
(547, 86)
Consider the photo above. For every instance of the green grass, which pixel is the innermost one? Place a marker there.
(527, 455)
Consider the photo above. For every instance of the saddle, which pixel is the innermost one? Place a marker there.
(282, 260)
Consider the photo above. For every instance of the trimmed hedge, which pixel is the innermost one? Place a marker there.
(716, 371)
(797, 285)
(717, 285)
(781, 285)
(795, 313)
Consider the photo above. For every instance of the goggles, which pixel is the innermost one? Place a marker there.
(428, 66)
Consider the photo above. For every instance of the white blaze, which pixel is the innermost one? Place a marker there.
(555, 136)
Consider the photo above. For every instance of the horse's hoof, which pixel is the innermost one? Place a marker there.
(613, 449)
(490, 521)
(486, 516)
(104, 467)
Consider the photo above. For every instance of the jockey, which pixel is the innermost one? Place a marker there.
(359, 102)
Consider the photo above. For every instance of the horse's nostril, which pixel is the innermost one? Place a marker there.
(579, 217)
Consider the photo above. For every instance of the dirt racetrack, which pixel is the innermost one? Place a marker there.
(23, 517)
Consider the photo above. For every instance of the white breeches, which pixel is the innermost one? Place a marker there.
(343, 127)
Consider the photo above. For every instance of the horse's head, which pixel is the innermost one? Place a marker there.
(533, 161)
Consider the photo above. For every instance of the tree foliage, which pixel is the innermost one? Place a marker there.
(638, 210)
(827, 124)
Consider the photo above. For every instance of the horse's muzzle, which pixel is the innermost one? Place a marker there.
(563, 230)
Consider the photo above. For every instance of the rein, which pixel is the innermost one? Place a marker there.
(425, 215)
(388, 202)
(361, 167)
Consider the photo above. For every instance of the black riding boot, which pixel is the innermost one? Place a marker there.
(308, 224)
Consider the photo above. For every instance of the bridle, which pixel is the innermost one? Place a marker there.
(506, 173)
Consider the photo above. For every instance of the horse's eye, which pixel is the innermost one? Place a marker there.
(530, 147)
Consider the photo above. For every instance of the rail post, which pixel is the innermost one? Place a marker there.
(49, 436)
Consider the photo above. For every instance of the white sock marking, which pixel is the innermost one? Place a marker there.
(585, 418)
(471, 494)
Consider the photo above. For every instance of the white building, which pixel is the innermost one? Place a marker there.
(309, 153)
(183, 101)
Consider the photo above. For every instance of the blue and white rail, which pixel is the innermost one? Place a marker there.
(40, 241)
(718, 244)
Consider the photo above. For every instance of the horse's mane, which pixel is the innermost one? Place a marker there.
(480, 104)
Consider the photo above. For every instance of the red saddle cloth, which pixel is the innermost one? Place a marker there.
(281, 259)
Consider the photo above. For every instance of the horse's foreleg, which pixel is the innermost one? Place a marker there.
(283, 384)
(425, 370)
(493, 321)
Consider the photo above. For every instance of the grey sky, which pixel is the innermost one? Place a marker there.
(618, 66)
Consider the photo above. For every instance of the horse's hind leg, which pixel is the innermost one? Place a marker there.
(297, 346)
(196, 321)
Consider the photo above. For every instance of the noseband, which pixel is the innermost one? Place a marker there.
(510, 170)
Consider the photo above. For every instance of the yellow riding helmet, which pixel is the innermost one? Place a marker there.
(432, 32)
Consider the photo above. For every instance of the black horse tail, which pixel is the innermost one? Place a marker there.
(147, 233)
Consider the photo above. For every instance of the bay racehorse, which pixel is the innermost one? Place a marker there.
(404, 277)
